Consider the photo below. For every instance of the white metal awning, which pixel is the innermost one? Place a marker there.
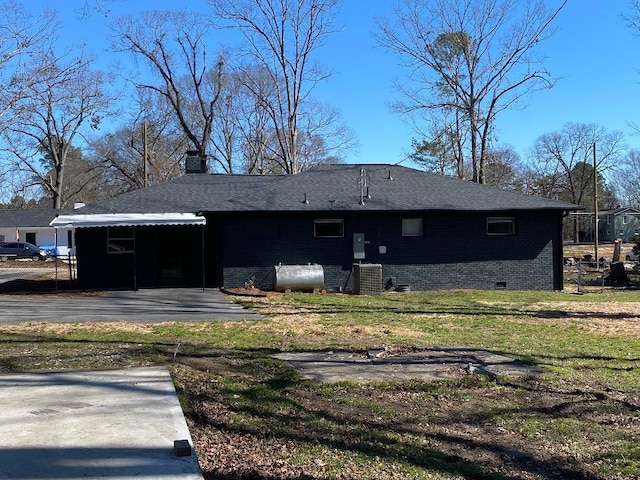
(126, 220)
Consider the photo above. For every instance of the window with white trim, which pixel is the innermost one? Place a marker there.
(625, 220)
(328, 228)
(412, 227)
(501, 226)
(120, 240)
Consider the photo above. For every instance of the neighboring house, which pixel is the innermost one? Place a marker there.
(423, 230)
(621, 223)
(33, 225)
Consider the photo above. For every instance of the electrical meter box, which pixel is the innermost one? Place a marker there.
(358, 246)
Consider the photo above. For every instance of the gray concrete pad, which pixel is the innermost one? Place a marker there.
(145, 306)
(93, 425)
(382, 366)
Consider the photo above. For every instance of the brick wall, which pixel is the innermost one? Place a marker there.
(454, 251)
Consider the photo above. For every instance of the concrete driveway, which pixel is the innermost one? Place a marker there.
(145, 306)
(123, 424)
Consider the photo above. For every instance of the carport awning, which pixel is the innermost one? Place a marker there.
(126, 220)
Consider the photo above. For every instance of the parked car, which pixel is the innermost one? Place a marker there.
(632, 256)
(14, 250)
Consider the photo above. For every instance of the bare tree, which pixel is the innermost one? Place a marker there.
(173, 44)
(282, 36)
(627, 178)
(253, 119)
(81, 180)
(502, 168)
(563, 161)
(17, 189)
(473, 57)
(120, 155)
(52, 116)
(632, 19)
(567, 154)
(323, 137)
(24, 39)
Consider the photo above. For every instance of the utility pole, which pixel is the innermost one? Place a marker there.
(144, 154)
(595, 206)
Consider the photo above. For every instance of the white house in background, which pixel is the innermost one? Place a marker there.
(32, 225)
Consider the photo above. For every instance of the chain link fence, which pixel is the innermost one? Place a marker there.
(53, 274)
(582, 272)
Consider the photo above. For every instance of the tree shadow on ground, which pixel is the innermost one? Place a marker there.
(454, 428)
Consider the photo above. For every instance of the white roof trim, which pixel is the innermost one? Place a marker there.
(126, 220)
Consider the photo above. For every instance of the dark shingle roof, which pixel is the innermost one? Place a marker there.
(327, 187)
(620, 210)
(29, 217)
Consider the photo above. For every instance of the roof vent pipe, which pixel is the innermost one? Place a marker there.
(389, 177)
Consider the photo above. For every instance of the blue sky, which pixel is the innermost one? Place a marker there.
(593, 52)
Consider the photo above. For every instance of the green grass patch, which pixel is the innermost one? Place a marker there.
(252, 416)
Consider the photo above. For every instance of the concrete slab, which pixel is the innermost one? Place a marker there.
(382, 366)
(93, 425)
(146, 306)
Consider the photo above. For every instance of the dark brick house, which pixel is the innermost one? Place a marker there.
(423, 230)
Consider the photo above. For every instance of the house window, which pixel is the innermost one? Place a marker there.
(120, 240)
(501, 226)
(624, 220)
(30, 237)
(328, 228)
(412, 227)
(608, 219)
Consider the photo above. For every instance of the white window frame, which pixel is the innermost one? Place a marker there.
(412, 227)
(118, 243)
(625, 219)
(501, 220)
(326, 221)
